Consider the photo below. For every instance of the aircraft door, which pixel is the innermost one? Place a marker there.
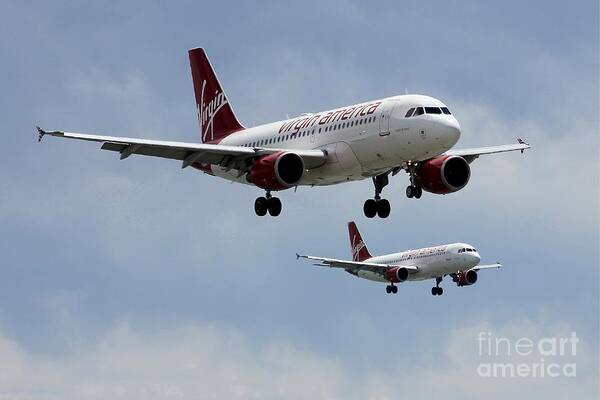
(384, 119)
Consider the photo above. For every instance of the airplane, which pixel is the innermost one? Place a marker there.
(374, 139)
(460, 261)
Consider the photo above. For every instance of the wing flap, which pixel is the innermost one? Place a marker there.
(214, 154)
(355, 265)
(472, 154)
(490, 266)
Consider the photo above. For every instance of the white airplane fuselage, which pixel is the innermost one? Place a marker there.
(432, 262)
(361, 141)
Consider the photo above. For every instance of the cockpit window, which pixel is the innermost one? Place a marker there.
(446, 111)
(409, 113)
(418, 111)
(433, 110)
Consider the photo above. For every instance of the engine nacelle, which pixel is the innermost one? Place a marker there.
(277, 171)
(396, 274)
(465, 278)
(444, 174)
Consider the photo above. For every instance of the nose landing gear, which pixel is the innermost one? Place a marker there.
(413, 190)
(377, 205)
(267, 203)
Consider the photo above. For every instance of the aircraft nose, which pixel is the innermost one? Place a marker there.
(451, 129)
(476, 257)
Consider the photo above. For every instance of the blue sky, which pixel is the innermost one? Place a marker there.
(136, 279)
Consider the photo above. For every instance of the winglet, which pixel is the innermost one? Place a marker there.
(41, 133)
(521, 141)
(297, 256)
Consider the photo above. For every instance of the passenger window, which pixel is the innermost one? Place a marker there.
(418, 111)
(433, 110)
(446, 111)
(409, 113)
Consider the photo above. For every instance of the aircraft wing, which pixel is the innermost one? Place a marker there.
(490, 266)
(233, 157)
(472, 154)
(354, 265)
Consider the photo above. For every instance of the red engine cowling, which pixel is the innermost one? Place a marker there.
(444, 174)
(277, 171)
(465, 278)
(396, 274)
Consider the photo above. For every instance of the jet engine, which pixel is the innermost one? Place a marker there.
(396, 274)
(465, 278)
(277, 171)
(444, 174)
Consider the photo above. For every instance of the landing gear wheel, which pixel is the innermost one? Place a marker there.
(434, 291)
(377, 205)
(274, 206)
(409, 192)
(388, 289)
(261, 205)
(440, 291)
(383, 208)
(370, 208)
(417, 192)
(394, 289)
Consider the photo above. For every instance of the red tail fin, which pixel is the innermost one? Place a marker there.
(358, 247)
(215, 115)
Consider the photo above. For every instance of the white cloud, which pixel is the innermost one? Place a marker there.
(216, 362)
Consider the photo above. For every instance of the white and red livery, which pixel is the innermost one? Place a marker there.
(457, 260)
(374, 139)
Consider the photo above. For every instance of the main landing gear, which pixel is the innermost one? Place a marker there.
(413, 190)
(391, 289)
(267, 203)
(437, 290)
(377, 205)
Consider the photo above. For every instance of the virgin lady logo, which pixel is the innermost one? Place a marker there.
(207, 112)
(356, 247)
